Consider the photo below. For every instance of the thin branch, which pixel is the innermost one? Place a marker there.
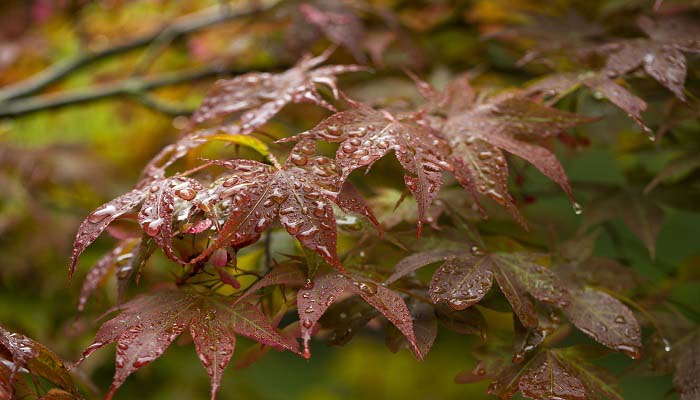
(181, 26)
(135, 87)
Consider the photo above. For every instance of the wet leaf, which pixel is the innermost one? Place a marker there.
(300, 194)
(547, 378)
(26, 354)
(148, 324)
(259, 96)
(606, 320)
(661, 56)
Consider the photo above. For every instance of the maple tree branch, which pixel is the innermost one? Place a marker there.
(134, 87)
(180, 27)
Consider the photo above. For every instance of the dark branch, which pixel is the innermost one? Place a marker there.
(135, 87)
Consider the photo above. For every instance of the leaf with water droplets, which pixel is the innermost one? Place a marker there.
(99, 219)
(259, 96)
(466, 277)
(478, 134)
(606, 320)
(367, 135)
(461, 282)
(148, 324)
(23, 352)
(661, 56)
(346, 318)
(156, 214)
(425, 326)
(101, 269)
(596, 381)
(537, 280)
(547, 378)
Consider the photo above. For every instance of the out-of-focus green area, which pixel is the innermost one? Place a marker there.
(57, 165)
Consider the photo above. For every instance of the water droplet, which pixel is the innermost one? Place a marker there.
(368, 288)
(458, 304)
(477, 251)
(153, 227)
(578, 210)
(186, 194)
(101, 214)
(620, 319)
(308, 285)
(298, 159)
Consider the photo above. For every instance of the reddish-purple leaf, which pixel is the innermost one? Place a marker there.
(156, 215)
(597, 382)
(98, 220)
(392, 306)
(101, 269)
(547, 378)
(560, 84)
(661, 56)
(417, 260)
(148, 324)
(314, 298)
(461, 282)
(522, 305)
(367, 135)
(606, 320)
(259, 96)
(425, 326)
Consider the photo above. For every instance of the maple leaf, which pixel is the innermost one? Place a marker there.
(547, 378)
(24, 354)
(478, 133)
(661, 56)
(561, 84)
(339, 24)
(606, 320)
(300, 193)
(425, 325)
(554, 373)
(259, 96)
(368, 135)
(148, 324)
(467, 142)
(321, 290)
(467, 275)
(100, 270)
(158, 198)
